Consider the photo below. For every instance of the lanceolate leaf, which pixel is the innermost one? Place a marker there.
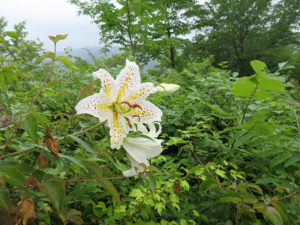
(4, 198)
(207, 184)
(12, 34)
(67, 62)
(74, 216)
(270, 213)
(73, 160)
(83, 144)
(297, 197)
(95, 169)
(256, 187)
(281, 208)
(12, 176)
(30, 125)
(55, 190)
(48, 54)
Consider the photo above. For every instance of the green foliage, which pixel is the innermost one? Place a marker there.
(240, 31)
(231, 146)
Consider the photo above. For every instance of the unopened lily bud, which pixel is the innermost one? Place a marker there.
(169, 88)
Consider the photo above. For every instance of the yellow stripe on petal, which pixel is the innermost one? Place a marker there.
(139, 112)
(106, 85)
(107, 82)
(117, 131)
(125, 85)
(103, 106)
(140, 93)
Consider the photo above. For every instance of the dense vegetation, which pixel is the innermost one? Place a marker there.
(230, 133)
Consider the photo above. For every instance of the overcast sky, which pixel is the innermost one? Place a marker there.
(51, 17)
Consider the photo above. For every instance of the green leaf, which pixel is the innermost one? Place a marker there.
(58, 37)
(73, 160)
(108, 185)
(279, 159)
(83, 144)
(2, 81)
(282, 188)
(270, 84)
(67, 62)
(4, 198)
(95, 169)
(159, 207)
(30, 125)
(260, 115)
(281, 208)
(136, 193)
(230, 199)
(270, 213)
(257, 65)
(12, 176)
(55, 190)
(243, 87)
(297, 197)
(221, 173)
(207, 184)
(12, 34)
(48, 54)
(9, 74)
(74, 216)
(292, 161)
(247, 211)
(230, 196)
(282, 64)
(256, 187)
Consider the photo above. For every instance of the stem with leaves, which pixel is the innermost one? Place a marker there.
(60, 138)
(32, 103)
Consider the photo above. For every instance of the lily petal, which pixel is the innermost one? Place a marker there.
(146, 113)
(139, 150)
(107, 83)
(142, 149)
(117, 131)
(128, 80)
(132, 172)
(154, 132)
(97, 105)
(140, 93)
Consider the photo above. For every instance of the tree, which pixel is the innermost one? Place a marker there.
(15, 48)
(118, 25)
(150, 29)
(239, 31)
(168, 30)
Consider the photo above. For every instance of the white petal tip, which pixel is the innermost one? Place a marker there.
(129, 173)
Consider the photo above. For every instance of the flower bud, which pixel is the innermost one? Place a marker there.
(168, 88)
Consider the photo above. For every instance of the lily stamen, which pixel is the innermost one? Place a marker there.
(137, 106)
(137, 117)
(128, 121)
(127, 103)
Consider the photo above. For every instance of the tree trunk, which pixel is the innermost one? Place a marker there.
(132, 44)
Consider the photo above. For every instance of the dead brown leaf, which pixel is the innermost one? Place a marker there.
(43, 161)
(31, 181)
(177, 187)
(52, 143)
(26, 211)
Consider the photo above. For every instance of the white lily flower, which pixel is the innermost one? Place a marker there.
(169, 88)
(121, 102)
(140, 149)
